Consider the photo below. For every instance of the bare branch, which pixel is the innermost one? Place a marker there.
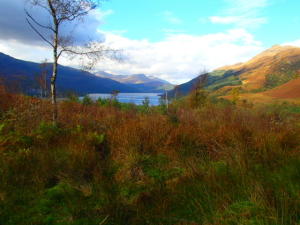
(92, 53)
(40, 4)
(36, 31)
(36, 22)
(72, 17)
(88, 53)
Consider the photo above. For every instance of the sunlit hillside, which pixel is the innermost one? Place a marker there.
(271, 75)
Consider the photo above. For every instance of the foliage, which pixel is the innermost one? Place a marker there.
(111, 163)
(87, 100)
(198, 98)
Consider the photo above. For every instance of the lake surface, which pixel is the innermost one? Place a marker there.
(136, 98)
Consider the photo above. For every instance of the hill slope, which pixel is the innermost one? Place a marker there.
(24, 74)
(133, 79)
(141, 81)
(272, 74)
(288, 90)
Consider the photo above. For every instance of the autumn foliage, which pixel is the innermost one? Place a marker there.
(218, 163)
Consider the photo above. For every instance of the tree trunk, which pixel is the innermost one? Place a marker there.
(55, 61)
(54, 75)
(53, 92)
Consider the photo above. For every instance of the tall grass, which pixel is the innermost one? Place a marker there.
(106, 164)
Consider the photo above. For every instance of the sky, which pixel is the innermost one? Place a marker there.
(171, 39)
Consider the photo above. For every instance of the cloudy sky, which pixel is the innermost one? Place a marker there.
(170, 39)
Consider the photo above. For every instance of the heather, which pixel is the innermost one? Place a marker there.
(198, 161)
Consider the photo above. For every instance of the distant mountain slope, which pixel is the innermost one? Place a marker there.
(274, 73)
(288, 90)
(151, 83)
(133, 79)
(276, 60)
(215, 81)
(69, 79)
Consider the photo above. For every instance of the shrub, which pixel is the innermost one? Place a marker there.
(87, 100)
(73, 98)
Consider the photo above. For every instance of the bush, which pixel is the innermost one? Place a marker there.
(198, 98)
(73, 98)
(87, 100)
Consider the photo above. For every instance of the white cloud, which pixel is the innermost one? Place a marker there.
(180, 57)
(242, 13)
(239, 21)
(293, 43)
(20, 50)
(224, 19)
(171, 18)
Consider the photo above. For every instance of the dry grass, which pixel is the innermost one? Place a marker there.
(218, 164)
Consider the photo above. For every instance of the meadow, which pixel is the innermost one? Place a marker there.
(199, 161)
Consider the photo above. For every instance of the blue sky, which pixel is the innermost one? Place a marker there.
(171, 39)
(153, 20)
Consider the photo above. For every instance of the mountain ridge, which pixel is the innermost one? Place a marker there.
(132, 79)
(24, 73)
(273, 68)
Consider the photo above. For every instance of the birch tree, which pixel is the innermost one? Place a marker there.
(62, 12)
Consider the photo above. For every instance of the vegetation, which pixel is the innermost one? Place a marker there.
(277, 79)
(228, 81)
(106, 162)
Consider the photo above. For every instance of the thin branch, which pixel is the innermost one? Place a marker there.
(59, 54)
(37, 23)
(89, 54)
(39, 4)
(41, 36)
(73, 17)
(86, 53)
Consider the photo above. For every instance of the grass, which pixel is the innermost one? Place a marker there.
(112, 163)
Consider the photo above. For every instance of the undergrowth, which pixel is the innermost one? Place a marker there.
(111, 163)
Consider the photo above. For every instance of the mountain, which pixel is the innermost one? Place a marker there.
(23, 74)
(140, 81)
(271, 75)
(133, 79)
